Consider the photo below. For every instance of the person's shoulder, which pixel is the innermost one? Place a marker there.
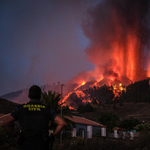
(19, 106)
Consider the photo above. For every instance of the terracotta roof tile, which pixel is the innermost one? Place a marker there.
(3, 117)
(83, 120)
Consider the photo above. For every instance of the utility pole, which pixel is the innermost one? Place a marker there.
(62, 85)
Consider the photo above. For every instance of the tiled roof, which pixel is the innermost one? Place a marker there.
(76, 119)
(82, 120)
(2, 117)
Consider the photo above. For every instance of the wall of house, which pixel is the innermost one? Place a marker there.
(96, 131)
(81, 127)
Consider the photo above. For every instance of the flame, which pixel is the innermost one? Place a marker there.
(86, 101)
(83, 83)
(116, 49)
(148, 73)
(78, 93)
(71, 108)
(79, 85)
(124, 51)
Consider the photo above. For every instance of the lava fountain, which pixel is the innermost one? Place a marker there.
(118, 32)
(119, 35)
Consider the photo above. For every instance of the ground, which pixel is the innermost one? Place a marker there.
(140, 111)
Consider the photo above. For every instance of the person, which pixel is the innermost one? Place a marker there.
(34, 118)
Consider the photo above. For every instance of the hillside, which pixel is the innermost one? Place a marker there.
(6, 106)
(134, 103)
(140, 111)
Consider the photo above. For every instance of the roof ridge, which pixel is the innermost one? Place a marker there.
(89, 120)
(5, 115)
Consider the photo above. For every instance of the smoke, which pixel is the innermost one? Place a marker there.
(41, 42)
(119, 37)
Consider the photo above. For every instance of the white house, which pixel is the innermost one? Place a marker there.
(86, 128)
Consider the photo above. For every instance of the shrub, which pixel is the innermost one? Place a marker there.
(85, 108)
(6, 142)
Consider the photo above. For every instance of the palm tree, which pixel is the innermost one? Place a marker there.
(51, 99)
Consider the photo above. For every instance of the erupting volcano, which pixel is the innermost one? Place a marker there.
(118, 32)
(119, 35)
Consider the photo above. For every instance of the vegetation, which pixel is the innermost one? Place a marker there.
(6, 142)
(85, 108)
(99, 143)
(108, 119)
(96, 143)
(52, 99)
(129, 124)
(142, 127)
(100, 95)
(137, 92)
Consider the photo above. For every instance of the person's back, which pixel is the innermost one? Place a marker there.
(34, 119)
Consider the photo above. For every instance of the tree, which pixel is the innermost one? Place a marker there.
(85, 108)
(137, 92)
(142, 127)
(129, 124)
(81, 109)
(52, 99)
(108, 119)
(88, 107)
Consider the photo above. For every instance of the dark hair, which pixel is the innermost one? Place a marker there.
(35, 92)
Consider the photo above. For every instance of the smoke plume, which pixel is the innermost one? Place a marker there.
(119, 38)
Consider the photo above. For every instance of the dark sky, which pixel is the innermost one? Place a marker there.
(41, 42)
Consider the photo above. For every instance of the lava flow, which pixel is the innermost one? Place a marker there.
(118, 32)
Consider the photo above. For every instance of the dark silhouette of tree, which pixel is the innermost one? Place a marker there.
(100, 94)
(52, 99)
(137, 92)
(108, 119)
(85, 108)
(129, 124)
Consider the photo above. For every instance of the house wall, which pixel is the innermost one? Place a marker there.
(81, 127)
(95, 130)
(89, 131)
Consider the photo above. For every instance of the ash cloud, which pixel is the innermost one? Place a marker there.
(117, 21)
(41, 42)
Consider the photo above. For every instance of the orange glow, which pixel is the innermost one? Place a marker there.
(83, 83)
(148, 73)
(86, 101)
(80, 85)
(79, 93)
(71, 108)
(119, 61)
(64, 99)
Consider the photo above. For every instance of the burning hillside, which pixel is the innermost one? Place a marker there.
(119, 44)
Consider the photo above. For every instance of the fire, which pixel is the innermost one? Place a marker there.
(71, 108)
(148, 73)
(118, 87)
(83, 83)
(86, 101)
(118, 45)
(80, 85)
(78, 93)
